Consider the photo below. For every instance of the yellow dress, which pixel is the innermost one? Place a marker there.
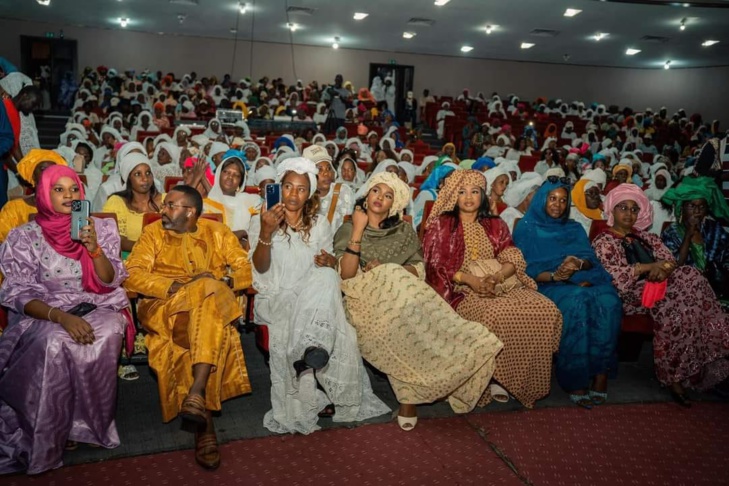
(130, 222)
(193, 325)
(15, 213)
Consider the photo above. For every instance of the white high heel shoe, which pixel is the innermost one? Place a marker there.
(407, 423)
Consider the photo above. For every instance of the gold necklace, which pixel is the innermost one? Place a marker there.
(296, 226)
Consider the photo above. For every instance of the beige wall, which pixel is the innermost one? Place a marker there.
(696, 90)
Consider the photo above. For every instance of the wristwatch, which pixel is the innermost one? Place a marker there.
(551, 277)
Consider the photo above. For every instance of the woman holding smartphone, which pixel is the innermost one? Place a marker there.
(300, 301)
(66, 363)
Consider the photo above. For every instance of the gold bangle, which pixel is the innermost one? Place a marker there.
(502, 277)
(49, 315)
(266, 243)
(354, 242)
(457, 277)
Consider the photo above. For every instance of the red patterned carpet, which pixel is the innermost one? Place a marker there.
(653, 444)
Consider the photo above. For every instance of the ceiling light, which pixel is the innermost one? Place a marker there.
(709, 43)
(489, 29)
(440, 3)
(571, 12)
(466, 49)
(360, 15)
(683, 24)
(336, 43)
(242, 7)
(686, 4)
(292, 26)
(408, 35)
(667, 65)
(45, 3)
(632, 52)
(600, 35)
(124, 22)
(526, 45)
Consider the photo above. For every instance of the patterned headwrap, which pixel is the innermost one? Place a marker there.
(401, 190)
(27, 164)
(448, 195)
(629, 192)
(624, 165)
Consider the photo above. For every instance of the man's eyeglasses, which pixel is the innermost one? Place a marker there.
(171, 206)
(553, 179)
(696, 208)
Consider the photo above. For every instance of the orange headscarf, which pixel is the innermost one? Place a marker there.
(578, 198)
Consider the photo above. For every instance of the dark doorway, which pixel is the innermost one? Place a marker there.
(402, 80)
(49, 60)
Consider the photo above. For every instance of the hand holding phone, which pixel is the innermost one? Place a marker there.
(79, 163)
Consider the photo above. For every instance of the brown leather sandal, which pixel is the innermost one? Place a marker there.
(206, 450)
(193, 409)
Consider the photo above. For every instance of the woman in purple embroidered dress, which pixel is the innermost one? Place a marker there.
(58, 371)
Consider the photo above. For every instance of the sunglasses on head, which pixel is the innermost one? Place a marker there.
(554, 179)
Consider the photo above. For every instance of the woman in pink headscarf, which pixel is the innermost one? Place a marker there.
(198, 174)
(58, 385)
(691, 332)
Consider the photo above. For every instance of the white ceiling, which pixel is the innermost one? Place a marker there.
(460, 22)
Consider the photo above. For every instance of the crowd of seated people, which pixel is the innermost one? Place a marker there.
(462, 273)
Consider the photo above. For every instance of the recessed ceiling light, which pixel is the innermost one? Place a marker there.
(571, 12)
(600, 35)
(233, 30)
(632, 52)
(683, 24)
(709, 43)
(123, 22)
(292, 26)
(45, 3)
(686, 4)
(242, 7)
(466, 49)
(336, 43)
(667, 65)
(440, 3)
(360, 15)
(408, 35)
(489, 29)
(526, 45)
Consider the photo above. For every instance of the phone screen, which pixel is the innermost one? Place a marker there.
(273, 195)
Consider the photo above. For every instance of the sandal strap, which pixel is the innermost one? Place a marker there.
(206, 443)
(194, 401)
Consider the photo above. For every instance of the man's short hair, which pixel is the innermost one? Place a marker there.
(193, 197)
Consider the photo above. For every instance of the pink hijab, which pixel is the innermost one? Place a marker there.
(629, 192)
(56, 227)
(190, 162)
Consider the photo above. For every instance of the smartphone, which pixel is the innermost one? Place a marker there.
(273, 195)
(80, 212)
(82, 309)
(79, 163)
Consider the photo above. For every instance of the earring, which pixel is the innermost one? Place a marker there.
(364, 206)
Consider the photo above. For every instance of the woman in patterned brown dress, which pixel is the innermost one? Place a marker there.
(403, 327)
(460, 231)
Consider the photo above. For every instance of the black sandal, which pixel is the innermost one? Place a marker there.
(328, 411)
(314, 358)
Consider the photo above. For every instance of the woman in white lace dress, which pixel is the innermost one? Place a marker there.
(300, 301)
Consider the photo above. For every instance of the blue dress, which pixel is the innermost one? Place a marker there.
(591, 315)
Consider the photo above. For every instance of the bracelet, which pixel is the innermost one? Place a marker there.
(354, 242)
(582, 262)
(501, 275)
(638, 268)
(49, 315)
(551, 277)
(358, 254)
(457, 278)
(96, 253)
(266, 243)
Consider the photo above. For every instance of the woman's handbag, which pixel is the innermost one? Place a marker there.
(484, 268)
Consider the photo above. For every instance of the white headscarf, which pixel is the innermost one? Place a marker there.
(265, 172)
(409, 170)
(168, 170)
(491, 176)
(237, 207)
(359, 175)
(430, 159)
(210, 133)
(510, 166)
(520, 189)
(13, 83)
(655, 194)
(302, 166)
(128, 163)
(410, 153)
(596, 175)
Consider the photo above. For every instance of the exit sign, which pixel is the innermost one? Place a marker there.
(393, 62)
(50, 35)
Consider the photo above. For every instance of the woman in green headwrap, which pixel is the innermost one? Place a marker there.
(697, 238)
